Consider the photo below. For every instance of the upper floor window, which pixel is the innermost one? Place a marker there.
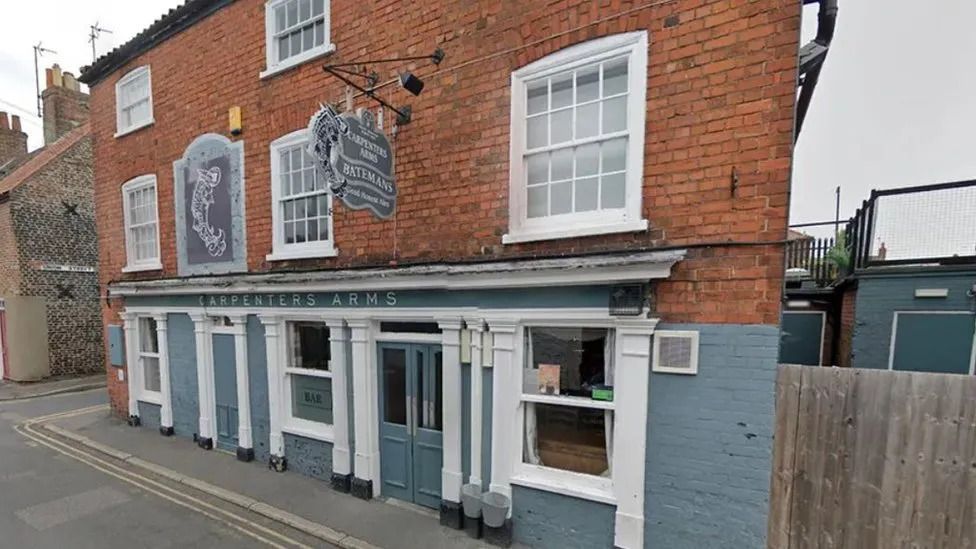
(296, 31)
(141, 224)
(577, 141)
(301, 202)
(133, 101)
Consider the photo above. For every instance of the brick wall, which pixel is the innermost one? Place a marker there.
(847, 315)
(9, 264)
(49, 235)
(65, 107)
(13, 141)
(721, 86)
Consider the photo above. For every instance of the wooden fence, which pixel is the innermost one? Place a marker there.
(867, 459)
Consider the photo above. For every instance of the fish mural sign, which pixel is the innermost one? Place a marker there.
(355, 158)
(210, 206)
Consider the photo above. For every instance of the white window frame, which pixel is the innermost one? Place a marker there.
(130, 76)
(656, 366)
(272, 65)
(143, 394)
(132, 264)
(282, 251)
(591, 487)
(296, 425)
(523, 229)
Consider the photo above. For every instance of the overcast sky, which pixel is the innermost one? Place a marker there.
(892, 108)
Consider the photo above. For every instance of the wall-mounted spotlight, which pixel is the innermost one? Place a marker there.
(407, 79)
(411, 83)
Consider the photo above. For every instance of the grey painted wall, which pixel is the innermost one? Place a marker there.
(149, 415)
(309, 457)
(709, 442)
(879, 297)
(544, 519)
(257, 370)
(183, 374)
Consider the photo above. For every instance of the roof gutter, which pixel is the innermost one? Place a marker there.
(812, 57)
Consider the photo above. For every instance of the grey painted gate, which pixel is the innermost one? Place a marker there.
(225, 390)
(411, 421)
(933, 342)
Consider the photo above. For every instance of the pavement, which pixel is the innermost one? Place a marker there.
(300, 505)
(13, 390)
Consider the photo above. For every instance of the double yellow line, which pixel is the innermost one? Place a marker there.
(240, 523)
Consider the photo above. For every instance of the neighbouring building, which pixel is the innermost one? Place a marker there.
(568, 294)
(903, 294)
(50, 315)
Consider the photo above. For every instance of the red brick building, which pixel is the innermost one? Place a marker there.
(590, 196)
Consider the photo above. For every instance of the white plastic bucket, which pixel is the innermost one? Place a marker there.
(471, 500)
(494, 508)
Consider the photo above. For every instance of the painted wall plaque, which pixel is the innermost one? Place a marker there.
(209, 183)
(356, 158)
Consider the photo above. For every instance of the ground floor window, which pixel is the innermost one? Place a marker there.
(308, 371)
(148, 360)
(567, 398)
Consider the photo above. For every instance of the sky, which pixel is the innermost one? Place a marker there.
(892, 107)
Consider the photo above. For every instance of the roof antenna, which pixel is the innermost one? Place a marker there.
(39, 51)
(96, 31)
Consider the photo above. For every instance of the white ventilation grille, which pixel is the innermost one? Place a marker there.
(675, 352)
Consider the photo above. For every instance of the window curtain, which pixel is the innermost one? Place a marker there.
(609, 350)
(531, 438)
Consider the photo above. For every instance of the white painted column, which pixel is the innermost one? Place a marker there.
(451, 476)
(243, 382)
(631, 376)
(201, 332)
(166, 391)
(477, 395)
(366, 462)
(273, 332)
(129, 324)
(338, 336)
(504, 405)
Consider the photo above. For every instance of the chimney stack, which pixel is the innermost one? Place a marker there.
(65, 105)
(13, 141)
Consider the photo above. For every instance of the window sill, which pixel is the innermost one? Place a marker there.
(287, 255)
(565, 483)
(519, 236)
(580, 402)
(309, 429)
(135, 128)
(141, 268)
(293, 62)
(308, 372)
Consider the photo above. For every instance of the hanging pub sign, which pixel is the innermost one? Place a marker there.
(355, 158)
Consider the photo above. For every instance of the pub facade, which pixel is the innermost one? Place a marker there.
(550, 272)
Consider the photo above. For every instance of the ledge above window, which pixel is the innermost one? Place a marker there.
(297, 60)
(574, 231)
(140, 268)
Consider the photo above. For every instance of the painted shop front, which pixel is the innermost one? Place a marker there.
(407, 385)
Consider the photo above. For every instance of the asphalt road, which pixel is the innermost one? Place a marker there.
(50, 500)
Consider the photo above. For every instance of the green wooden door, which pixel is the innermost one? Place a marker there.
(801, 338)
(933, 342)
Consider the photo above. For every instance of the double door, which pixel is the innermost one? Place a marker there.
(411, 421)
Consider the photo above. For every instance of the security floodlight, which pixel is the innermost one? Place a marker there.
(411, 83)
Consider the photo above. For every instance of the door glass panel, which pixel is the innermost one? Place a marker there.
(420, 395)
(395, 386)
(438, 391)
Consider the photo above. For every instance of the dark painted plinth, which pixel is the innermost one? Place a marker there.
(472, 527)
(166, 431)
(451, 515)
(501, 536)
(245, 454)
(278, 463)
(362, 489)
(134, 421)
(205, 443)
(342, 483)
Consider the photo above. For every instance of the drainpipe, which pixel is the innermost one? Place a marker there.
(812, 57)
